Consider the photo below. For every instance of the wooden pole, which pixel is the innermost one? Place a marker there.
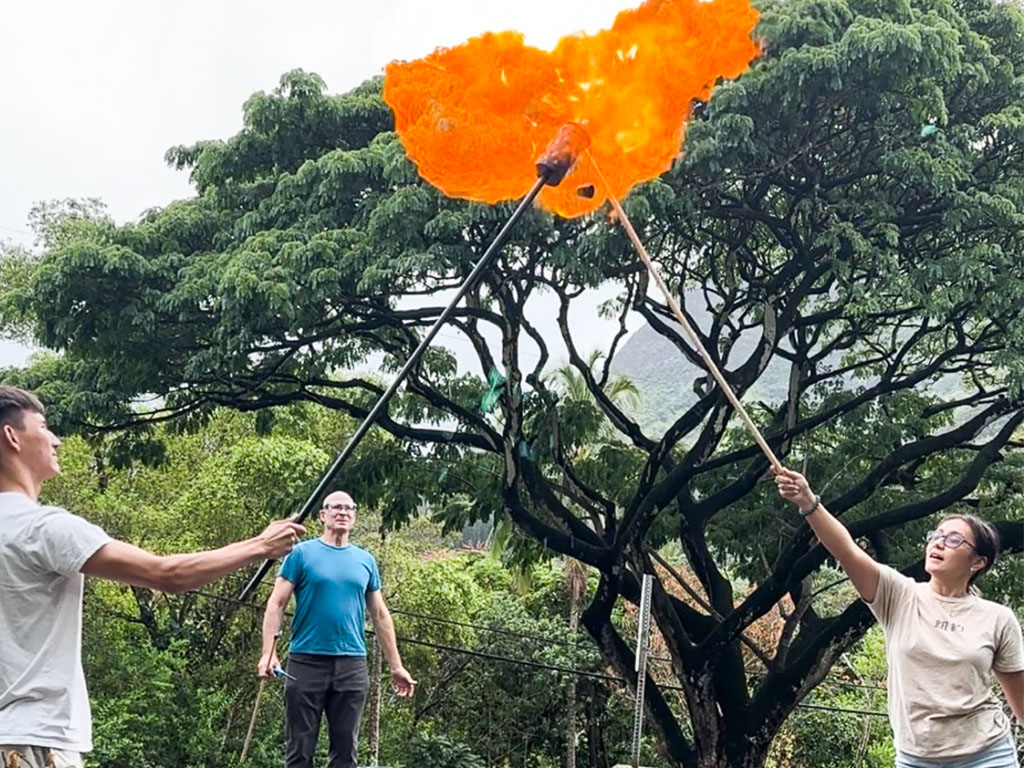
(681, 318)
(377, 692)
(252, 721)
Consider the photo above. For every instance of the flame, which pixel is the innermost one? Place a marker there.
(475, 118)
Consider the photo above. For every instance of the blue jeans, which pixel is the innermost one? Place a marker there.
(1002, 754)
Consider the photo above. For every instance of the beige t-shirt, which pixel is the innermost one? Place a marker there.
(941, 653)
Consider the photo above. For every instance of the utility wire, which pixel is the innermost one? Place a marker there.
(495, 630)
(509, 633)
(599, 675)
(524, 636)
(557, 641)
(826, 708)
(513, 660)
(529, 662)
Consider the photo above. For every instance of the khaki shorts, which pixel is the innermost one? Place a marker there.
(38, 757)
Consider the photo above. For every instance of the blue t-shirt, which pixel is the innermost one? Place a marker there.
(330, 597)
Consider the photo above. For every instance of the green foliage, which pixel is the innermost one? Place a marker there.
(231, 491)
(171, 677)
(16, 268)
(508, 712)
(442, 752)
(838, 735)
(832, 248)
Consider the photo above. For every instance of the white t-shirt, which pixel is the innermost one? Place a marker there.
(43, 701)
(941, 653)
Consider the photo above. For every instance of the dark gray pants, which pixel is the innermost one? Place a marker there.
(335, 685)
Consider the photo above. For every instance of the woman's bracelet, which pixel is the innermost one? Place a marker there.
(810, 509)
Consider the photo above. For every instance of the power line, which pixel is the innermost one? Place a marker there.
(600, 675)
(559, 641)
(837, 683)
(523, 636)
(495, 630)
(512, 660)
(512, 633)
(228, 599)
(826, 708)
(536, 664)
(443, 646)
(415, 614)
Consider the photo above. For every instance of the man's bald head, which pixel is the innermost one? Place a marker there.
(338, 512)
(337, 497)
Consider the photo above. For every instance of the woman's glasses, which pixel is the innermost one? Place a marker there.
(951, 540)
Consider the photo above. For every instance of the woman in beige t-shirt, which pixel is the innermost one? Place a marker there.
(943, 641)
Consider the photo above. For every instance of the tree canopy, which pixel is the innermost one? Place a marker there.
(827, 231)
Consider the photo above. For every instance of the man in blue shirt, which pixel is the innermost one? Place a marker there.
(334, 583)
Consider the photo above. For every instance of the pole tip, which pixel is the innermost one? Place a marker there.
(560, 155)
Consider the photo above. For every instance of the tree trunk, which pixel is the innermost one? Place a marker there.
(373, 726)
(718, 741)
(597, 754)
(577, 580)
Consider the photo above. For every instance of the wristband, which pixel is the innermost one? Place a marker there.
(811, 509)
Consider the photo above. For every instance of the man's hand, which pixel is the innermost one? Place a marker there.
(267, 664)
(402, 682)
(279, 537)
(794, 487)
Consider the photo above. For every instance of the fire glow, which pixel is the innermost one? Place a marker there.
(475, 118)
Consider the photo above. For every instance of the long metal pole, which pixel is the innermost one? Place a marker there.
(382, 402)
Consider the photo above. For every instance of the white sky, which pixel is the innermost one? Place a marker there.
(95, 93)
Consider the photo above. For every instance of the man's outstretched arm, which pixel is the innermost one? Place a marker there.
(120, 561)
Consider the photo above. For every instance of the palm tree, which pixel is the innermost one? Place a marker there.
(591, 431)
(583, 432)
(579, 413)
(576, 581)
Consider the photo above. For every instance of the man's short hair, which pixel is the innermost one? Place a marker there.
(14, 402)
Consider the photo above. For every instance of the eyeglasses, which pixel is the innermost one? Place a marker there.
(340, 508)
(951, 540)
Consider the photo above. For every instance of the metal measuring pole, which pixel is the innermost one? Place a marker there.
(640, 665)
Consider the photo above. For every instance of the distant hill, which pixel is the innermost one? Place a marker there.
(665, 378)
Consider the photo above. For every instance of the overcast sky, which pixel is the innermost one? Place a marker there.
(95, 93)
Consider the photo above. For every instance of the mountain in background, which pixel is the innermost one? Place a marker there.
(665, 379)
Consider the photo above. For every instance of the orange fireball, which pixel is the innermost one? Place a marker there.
(476, 117)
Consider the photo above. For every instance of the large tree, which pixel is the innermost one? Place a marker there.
(849, 214)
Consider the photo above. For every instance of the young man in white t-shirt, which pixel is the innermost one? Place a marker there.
(44, 552)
